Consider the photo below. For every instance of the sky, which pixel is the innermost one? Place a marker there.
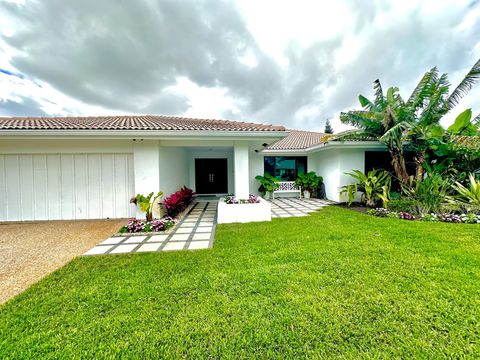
(294, 63)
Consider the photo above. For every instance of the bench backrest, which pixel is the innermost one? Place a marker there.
(287, 186)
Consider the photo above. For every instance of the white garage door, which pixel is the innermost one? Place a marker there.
(66, 186)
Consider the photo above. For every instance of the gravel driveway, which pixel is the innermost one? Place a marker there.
(29, 251)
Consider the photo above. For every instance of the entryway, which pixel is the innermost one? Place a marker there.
(211, 176)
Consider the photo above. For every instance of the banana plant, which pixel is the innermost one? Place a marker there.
(146, 203)
(374, 187)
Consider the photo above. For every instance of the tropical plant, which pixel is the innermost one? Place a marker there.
(470, 194)
(268, 183)
(428, 195)
(146, 203)
(178, 201)
(393, 121)
(308, 181)
(374, 187)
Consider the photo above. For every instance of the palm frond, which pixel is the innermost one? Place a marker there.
(354, 135)
(468, 82)
(379, 98)
(423, 89)
(435, 107)
(365, 120)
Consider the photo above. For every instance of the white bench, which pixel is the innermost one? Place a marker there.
(287, 187)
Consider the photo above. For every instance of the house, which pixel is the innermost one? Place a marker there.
(89, 167)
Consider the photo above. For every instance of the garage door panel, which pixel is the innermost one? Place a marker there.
(39, 188)
(81, 186)
(94, 168)
(65, 186)
(108, 187)
(54, 187)
(12, 181)
(26, 181)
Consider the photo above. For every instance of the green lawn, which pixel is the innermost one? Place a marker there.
(336, 283)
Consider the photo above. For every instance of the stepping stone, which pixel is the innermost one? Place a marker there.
(122, 249)
(157, 238)
(202, 236)
(202, 223)
(198, 245)
(202, 229)
(184, 230)
(112, 241)
(97, 250)
(149, 247)
(179, 237)
(174, 246)
(134, 239)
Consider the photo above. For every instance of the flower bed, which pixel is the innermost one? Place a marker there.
(143, 226)
(231, 199)
(232, 210)
(175, 205)
(452, 218)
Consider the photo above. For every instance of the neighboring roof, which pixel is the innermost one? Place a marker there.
(298, 140)
(134, 122)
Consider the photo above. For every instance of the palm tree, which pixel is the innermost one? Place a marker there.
(381, 119)
(395, 122)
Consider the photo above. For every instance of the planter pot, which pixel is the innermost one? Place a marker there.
(267, 196)
(243, 213)
(306, 194)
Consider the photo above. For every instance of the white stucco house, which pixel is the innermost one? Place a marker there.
(89, 167)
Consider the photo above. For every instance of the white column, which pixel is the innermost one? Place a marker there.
(146, 156)
(241, 173)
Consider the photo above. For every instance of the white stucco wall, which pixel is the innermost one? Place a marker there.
(332, 164)
(174, 171)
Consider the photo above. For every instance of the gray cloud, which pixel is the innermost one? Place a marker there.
(24, 107)
(127, 56)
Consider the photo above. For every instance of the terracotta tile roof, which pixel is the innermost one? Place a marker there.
(134, 122)
(298, 140)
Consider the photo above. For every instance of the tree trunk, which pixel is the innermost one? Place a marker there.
(398, 162)
(419, 159)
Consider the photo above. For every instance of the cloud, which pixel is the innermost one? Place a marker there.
(22, 107)
(291, 63)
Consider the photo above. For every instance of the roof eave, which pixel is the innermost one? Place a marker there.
(145, 134)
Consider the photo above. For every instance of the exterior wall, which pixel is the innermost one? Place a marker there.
(332, 165)
(174, 172)
(241, 169)
(255, 166)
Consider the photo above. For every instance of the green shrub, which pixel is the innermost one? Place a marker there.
(404, 205)
(373, 187)
(430, 193)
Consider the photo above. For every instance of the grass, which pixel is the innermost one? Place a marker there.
(338, 283)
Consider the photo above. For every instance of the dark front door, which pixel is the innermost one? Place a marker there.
(211, 176)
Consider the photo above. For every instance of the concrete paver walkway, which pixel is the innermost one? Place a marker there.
(195, 231)
(290, 207)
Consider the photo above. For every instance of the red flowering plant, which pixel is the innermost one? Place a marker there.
(178, 201)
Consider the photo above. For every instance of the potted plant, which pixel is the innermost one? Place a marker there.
(308, 183)
(268, 184)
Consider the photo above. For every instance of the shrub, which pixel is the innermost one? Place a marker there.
(405, 205)
(309, 181)
(146, 203)
(268, 183)
(430, 217)
(178, 201)
(470, 194)
(429, 193)
(374, 187)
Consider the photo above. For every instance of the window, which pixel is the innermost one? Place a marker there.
(285, 168)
